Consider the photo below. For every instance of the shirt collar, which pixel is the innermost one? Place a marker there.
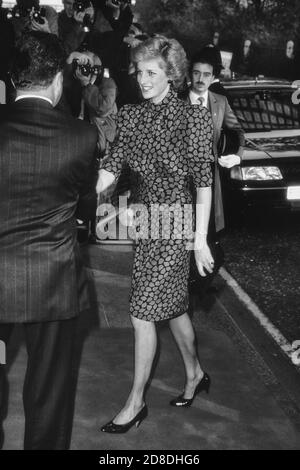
(22, 97)
(194, 98)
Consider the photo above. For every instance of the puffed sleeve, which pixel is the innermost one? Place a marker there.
(116, 155)
(199, 136)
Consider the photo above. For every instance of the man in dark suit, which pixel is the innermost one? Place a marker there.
(45, 163)
(203, 71)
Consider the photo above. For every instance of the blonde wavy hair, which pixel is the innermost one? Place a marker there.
(169, 51)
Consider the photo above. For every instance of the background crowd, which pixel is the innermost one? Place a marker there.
(107, 29)
(99, 78)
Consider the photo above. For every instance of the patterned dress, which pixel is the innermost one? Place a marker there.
(167, 145)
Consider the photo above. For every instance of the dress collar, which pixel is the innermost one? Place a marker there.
(170, 97)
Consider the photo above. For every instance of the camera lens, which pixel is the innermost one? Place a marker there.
(85, 70)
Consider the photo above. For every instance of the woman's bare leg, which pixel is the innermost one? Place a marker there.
(145, 349)
(184, 335)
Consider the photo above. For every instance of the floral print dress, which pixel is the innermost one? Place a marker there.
(169, 146)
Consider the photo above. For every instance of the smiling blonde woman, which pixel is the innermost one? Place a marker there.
(168, 143)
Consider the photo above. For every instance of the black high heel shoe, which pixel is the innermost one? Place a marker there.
(113, 428)
(204, 384)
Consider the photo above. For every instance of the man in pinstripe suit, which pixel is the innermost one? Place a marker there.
(45, 162)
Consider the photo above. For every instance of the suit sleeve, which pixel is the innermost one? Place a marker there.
(87, 203)
(199, 137)
(230, 122)
(116, 156)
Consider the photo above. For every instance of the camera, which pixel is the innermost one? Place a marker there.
(11, 14)
(39, 14)
(86, 69)
(81, 5)
(36, 13)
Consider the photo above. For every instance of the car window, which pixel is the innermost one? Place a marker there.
(265, 110)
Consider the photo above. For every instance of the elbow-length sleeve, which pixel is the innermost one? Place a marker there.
(200, 145)
(116, 156)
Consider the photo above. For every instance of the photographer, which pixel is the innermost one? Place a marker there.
(92, 97)
(96, 99)
(82, 22)
(117, 12)
(74, 22)
(27, 15)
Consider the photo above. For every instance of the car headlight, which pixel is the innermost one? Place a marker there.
(261, 173)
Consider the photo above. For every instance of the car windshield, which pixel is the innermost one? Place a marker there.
(265, 110)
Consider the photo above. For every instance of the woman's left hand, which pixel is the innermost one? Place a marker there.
(203, 258)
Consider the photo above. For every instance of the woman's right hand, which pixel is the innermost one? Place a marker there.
(105, 180)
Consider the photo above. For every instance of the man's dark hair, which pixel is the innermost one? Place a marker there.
(38, 58)
(207, 55)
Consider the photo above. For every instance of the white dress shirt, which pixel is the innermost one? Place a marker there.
(22, 97)
(194, 98)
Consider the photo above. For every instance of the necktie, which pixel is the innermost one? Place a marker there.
(201, 100)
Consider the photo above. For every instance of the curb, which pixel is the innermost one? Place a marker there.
(291, 351)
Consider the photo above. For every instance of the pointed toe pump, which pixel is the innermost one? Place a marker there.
(113, 428)
(204, 384)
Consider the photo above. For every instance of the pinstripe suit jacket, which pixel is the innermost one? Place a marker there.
(45, 157)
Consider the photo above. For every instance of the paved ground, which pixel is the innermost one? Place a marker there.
(240, 412)
(263, 255)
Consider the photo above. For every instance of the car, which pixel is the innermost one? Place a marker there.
(269, 173)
